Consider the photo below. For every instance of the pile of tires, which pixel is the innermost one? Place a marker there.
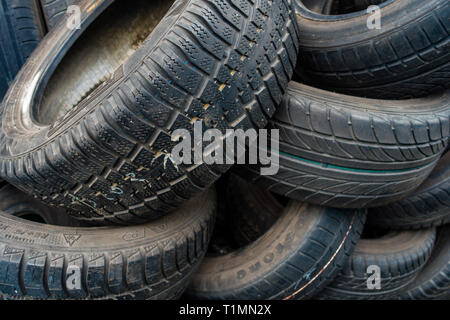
(22, 27)
(94, 206)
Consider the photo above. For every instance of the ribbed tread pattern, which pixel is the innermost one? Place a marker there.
(342, 151)
(428, 206)
(433, 283)
(302, 274)
(403, 61)
(398, 268)
(54, 10)
(370, 134)
(337, 187)
(224, 62)
(141, 267)
(19, 36)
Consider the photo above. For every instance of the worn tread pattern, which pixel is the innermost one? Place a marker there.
(152, 261)
(362, 133)
(402, 61)
(349, 152)
(334, 187)
(294, 259)
(20, 35)
(399, 265)
(54, 10)
(428, 206)
(433, 282)
(108, 172)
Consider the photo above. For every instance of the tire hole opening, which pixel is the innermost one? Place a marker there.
(100, 50)
(34, 217)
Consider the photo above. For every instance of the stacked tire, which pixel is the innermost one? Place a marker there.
(21, 30)
(161, 66)
(354, 151)
(94, 206)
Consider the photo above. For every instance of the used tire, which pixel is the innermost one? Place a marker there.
(99, 142)
(251, 212)
(18, 204)
(21, 29)
(400, 257)
(408, 57)
(350, 152)
(152, 261)
(429, 206)
(433, 282)
(55, 10)
(294, 259)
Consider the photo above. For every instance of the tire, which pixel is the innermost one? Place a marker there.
(251, 211)
(298, 256)
(21, 30)
(54, 10)
(400, 257)
(349, 152)
(433, 282)
(152, 261)
(408, 57)
(91, 160)
(16, 203)
(429, 206)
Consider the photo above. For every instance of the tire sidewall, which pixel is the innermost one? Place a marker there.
(19, 131)
(319, 31)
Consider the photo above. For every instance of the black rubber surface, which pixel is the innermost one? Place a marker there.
(225, 63)
(54, 10)
(152, 261)
(408, 57)
(251, 211)
(429, 206)
(14, 202)
(433, 282)
(21, 29)
(400, 257)
(294, 259)
(343, 151)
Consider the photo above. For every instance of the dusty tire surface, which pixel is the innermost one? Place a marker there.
(21, 30)
(296, 258)
(150, 261)
(224, 63)
(408, 57)
(428, 206)
(400, 257)
(433, 282)
(344, 151)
